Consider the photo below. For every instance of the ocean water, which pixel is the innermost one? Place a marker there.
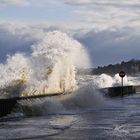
(84, 114)
(75, 117)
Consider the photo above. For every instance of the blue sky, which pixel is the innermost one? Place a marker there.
(46, 13)
(109, 29)
(94, 13)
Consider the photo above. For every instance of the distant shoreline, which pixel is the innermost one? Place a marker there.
(131, 67)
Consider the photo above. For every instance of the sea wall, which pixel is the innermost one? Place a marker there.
(121, 91)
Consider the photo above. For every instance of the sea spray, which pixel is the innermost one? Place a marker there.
(104, 80)
(50, 68)
(39, 107)
(83, 99)
(54, 62)
(12, 69)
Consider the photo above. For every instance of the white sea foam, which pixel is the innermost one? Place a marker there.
(50, 68)
(13, 68)
(104, 80)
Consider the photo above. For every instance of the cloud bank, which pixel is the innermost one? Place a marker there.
(97, 14)
(17, 38)
(109, 29)
(105, 14)
(109, 47)
(14, 2)
(104, 47)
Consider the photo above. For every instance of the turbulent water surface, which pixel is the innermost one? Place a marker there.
(71, 118)
(51, 67)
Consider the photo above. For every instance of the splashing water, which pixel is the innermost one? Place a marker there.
(83, 99)
(112, 81)
(104, 80)
(12, 69)
(50, 68)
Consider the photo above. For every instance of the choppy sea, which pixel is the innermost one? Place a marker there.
(75, 117)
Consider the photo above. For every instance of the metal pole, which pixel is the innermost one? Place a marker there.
(122, 86)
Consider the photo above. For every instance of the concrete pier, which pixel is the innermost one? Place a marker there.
(121, 91)
(8, 104)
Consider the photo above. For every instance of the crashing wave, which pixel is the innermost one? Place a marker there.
(50, 68)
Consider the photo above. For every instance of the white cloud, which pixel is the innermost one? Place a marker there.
(104, 46)
(32, 3)
(78, 2)
(114, 46)
(18, 36)
(14, 2)
(108, 28)
(97, 14)
(104, 2)
(105, 14)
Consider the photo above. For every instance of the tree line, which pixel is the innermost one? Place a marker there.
(131, 67)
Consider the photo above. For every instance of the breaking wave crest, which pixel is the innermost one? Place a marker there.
(50, 68)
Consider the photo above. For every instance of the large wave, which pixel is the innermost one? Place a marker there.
(50, 68)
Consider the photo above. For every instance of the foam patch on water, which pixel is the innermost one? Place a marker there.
(63, 122)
